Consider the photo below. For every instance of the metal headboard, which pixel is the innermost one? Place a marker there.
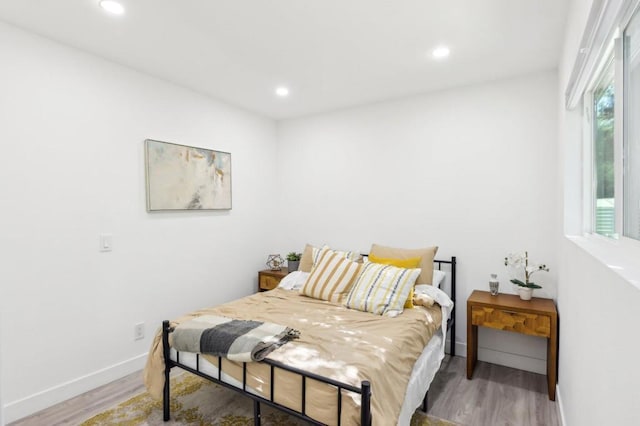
(451, 324)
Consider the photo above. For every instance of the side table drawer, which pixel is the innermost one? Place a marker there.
(268, 283)
(502, 319)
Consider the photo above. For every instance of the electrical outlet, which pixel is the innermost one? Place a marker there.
(138, 331)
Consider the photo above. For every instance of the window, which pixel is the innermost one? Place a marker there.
(612, 104)
(631, 143)
(603, 154)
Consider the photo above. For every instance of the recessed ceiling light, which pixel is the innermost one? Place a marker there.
(282, 91)
(440, 52)
(112, 7)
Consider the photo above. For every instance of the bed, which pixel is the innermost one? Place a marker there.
(348, 367)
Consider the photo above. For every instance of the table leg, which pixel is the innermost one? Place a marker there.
(472, 344)
(552, 359)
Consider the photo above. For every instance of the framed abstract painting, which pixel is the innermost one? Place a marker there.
(183, 177)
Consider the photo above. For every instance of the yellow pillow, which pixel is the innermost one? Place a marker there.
(409, 303)
(411, 263)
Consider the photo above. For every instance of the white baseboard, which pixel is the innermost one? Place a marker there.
(31, 404)
(563, 421)
(461, 348)
(521, 362)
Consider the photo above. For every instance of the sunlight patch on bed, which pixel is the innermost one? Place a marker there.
(351, 332)
(309, 359)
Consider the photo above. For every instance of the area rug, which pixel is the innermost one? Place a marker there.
(196, 401)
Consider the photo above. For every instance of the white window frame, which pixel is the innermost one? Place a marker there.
(624, 131)
(589, 187)
(613, 47)
(632, 8)
(618, 132)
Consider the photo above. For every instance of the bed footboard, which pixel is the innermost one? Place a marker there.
(364, 390)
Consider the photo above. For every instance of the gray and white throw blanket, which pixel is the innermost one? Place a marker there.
(237, 340)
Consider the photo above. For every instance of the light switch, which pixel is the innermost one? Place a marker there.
(106, 242)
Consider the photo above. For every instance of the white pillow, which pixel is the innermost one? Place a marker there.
(438, 277)
(294, 280)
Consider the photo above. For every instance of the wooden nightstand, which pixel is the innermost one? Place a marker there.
(268, 279)
(535, 317)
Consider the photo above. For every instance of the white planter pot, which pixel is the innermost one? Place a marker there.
(525, 293)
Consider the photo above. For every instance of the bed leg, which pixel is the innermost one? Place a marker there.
(256, 412)
(425, 403)
(453, 298)
(167, 370)
(365, 409)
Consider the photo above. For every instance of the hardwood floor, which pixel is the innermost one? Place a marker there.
(74, 411)
(497, 395)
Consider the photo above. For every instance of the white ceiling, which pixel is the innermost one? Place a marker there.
(330, 53)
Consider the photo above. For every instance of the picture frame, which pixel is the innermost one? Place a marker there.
(182, 177)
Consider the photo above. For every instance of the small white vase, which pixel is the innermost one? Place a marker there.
(525, 293)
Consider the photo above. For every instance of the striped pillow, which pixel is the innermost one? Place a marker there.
(351, 255)
(332, 276)
(413, 262)
(381, 288)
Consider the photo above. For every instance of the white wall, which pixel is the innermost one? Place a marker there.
(598, 378)
(72, 128)
(472, 170)
(2, 421)
(599, 315)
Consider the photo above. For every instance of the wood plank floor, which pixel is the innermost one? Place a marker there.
(74, 411)
(496, 396)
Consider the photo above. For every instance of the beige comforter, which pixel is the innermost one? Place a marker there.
(343, 344)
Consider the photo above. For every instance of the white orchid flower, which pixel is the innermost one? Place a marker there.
(521, 260)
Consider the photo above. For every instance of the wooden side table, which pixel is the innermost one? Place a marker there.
(268, 279)
(535, 317)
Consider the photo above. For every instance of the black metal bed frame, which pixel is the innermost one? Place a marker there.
(364, 390)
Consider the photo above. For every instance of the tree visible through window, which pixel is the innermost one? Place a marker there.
(603, 155)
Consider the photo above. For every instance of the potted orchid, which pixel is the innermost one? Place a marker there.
(520, 260)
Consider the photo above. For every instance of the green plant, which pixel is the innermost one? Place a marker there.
(293, 256)
(518, 260)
